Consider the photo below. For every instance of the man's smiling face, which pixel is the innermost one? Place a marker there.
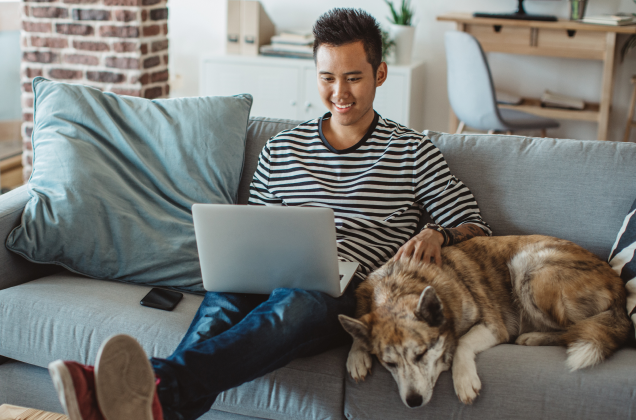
(346, 83)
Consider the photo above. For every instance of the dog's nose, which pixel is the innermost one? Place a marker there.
(414, 400)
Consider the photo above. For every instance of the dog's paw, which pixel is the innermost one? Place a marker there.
(538, 339)
(529, 339)
(467, 384)
(359, 364)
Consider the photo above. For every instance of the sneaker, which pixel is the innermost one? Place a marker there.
(75, 385)
(125, 381)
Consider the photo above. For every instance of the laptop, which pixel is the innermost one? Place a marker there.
(256, 249)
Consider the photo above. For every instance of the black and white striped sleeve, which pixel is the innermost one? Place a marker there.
(259, 188)
(446, 199)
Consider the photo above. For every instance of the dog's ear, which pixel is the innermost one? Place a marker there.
(429, 308)
(358, 329)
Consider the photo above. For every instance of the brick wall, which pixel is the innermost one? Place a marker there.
(119, 46)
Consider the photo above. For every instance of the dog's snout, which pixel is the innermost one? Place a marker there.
(414, 400)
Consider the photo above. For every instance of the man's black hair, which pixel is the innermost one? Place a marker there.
(343, 26)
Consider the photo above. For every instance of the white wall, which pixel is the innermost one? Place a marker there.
(198, 27)
(10, 75)
(10, 57)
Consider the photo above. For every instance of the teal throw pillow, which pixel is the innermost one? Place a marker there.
(115, 177)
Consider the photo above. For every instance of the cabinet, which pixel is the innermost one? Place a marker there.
(286, 88)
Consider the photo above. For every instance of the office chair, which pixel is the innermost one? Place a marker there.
(472, 94)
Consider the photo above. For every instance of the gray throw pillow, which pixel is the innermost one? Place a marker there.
(115, 177)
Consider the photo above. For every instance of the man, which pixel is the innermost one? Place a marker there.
(374, 173)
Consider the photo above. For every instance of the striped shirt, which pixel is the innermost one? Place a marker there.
(376, 188)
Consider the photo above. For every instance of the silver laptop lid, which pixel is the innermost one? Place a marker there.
(256, 249)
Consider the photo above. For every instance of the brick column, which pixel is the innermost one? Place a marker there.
(118, 46)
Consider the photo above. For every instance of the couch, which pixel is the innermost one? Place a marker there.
(577, 190)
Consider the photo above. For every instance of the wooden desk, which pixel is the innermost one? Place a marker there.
(564, 38)
(10, 154)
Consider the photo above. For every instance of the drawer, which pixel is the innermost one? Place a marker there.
(581, 44)
(501, 38)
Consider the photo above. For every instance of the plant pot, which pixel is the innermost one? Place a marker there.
(577, 9)
(403, 37)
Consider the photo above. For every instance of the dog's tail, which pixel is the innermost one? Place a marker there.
(593, 339)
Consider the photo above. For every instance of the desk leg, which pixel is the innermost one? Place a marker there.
(606, 86)
(453, 121)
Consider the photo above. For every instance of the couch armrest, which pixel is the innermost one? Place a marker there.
(14, 269)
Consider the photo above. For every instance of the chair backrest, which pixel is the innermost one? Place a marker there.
(470, 88)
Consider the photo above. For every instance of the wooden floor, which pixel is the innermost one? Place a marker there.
(12, 412)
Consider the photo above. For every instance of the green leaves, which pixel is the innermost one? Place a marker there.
(404, 15)
(388, 45)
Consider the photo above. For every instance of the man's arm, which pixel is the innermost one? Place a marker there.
(259, 188)
(427, 245)
(464, 232)
(448, 201)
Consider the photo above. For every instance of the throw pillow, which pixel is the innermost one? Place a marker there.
(115, 178)
(623, 261)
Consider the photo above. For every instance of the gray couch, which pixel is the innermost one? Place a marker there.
(578, 190)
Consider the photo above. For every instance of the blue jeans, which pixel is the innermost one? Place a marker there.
(236, 338)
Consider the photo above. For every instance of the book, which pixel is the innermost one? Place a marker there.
(556, 100)
(293, 38)
(291, 51)
(618, 19)
(304, 49)
(507, 98)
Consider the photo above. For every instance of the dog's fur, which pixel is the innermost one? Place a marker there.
(418, 318)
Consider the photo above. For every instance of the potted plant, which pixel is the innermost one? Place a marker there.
(388, 48)
(402, 32)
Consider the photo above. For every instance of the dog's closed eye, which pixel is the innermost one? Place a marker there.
(419, 356)
(390, 364)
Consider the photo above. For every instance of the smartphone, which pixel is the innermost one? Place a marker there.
(161, 299)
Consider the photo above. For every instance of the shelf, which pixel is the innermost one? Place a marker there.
(591, 112)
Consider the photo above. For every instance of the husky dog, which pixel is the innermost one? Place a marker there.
(418, 319)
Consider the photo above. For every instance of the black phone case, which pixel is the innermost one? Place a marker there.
(161, 299)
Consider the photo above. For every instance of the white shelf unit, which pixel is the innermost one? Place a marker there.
(286, 87)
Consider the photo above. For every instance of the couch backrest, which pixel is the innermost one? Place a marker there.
(259, 130)
(572, 189)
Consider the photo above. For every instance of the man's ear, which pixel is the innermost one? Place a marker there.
(356, 328)
(429, 308)
(381, 74)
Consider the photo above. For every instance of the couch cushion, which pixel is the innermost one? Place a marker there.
(572, 189)
(518, 382)
(30, 386)
(307, 389)
(66, 316)
(115, 178)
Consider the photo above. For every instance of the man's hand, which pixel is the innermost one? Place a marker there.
(425, 246)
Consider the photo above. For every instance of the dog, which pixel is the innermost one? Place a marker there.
(419, 319)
